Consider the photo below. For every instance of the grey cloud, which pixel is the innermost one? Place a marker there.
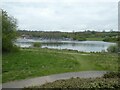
(63, 16)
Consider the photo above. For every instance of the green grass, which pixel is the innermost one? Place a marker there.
(95, 39)
(30, 63)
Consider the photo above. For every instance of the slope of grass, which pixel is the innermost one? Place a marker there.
(30, 63)
(95, 39)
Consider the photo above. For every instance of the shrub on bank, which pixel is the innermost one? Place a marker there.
(112, 75)
(81, 83)
(112, 49)
(37, 44)
(109, 80)
(111, 39)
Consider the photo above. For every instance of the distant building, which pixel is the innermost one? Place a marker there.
(25, 36)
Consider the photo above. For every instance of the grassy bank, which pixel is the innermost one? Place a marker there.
(40, 62)
(95, 39)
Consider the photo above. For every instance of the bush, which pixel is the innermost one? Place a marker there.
(94, 83)
(112, 49)
(109, 80)
(112, 75)
(37, 44)
(110, 39)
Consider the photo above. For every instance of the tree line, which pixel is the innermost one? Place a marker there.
(111, 36)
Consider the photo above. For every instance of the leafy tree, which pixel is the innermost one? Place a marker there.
(9, 27)
(0, 31)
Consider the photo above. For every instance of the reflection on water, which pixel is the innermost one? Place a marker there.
(86, 46)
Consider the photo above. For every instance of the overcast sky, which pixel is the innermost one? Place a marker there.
(64, 15)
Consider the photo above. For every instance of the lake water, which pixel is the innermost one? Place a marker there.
(85, 46)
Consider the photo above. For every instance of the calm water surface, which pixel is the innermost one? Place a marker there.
(86, 46)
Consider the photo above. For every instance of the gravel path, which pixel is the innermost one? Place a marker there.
(51, 78)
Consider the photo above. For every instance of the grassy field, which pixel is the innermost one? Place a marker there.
(28, 63)
(95, 39)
